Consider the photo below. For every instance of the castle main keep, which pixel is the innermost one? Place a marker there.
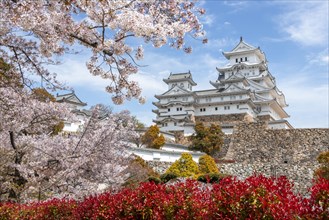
(245, 90)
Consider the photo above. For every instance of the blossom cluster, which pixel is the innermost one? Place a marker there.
(34, 32)
(257, 197)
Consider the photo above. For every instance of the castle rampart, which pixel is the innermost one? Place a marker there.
(253, 148)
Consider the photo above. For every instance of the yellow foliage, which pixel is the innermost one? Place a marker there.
(207, 164)
(184, 167)
(152, 138)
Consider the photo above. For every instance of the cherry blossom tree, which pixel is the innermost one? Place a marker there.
(34, 161)
(39, 165)
(34, 32)
(22, 116)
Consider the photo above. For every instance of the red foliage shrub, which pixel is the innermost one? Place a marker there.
(317, 206)
(257, 197)
(52, 209)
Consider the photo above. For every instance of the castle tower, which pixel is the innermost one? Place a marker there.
(244, 90)
(175, 108)
(247, 82)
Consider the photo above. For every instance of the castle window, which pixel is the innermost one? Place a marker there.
(168, 109)
(237, 106)
(245, 59)
(208, 99)
(236, 60)
(241, 59)
(175, 123)
(202, 109)
(216, 108)
(227, 107)
(179, 109)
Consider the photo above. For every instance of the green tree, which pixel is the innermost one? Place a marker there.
(207, 164)
(152, 138)
(184, 167)
(323, 170)
(207, 139)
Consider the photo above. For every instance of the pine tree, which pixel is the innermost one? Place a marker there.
(152, 138)
(208, 140)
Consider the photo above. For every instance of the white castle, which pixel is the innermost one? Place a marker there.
(244, 91)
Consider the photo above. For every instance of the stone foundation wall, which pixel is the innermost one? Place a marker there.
(264, 118)
(301, 175)
(253, 148)
(254, 143)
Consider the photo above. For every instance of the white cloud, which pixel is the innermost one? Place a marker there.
(150, 83)
(207, 19)
(236, 4)
(321, 58)
(74, 72)
(308, 102)
(221, 43)
(306, 22)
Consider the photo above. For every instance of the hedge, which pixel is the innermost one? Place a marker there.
(257, 197)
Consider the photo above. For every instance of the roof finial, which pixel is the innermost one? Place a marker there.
(241, 39)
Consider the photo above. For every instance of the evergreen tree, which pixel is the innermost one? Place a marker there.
(152, 138)
(208, 140)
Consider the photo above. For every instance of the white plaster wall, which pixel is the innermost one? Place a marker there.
(278, 126)
(210, 110)
(172, 127)
(171, 148)
(158, 155)
(227, 130)
(71, 127)
(274, 114)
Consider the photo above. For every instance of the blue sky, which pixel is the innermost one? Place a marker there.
(293, 35)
